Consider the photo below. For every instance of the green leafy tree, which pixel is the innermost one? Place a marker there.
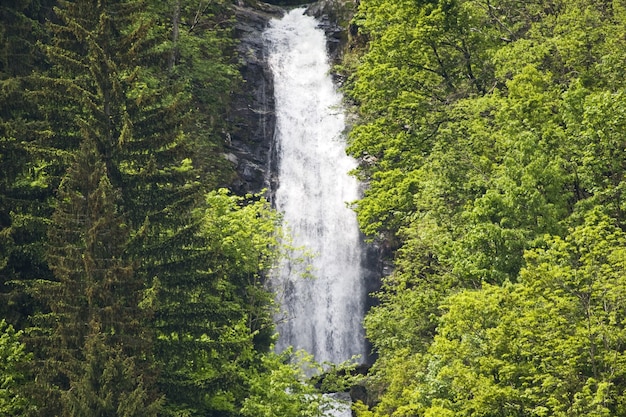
(469, 174)
(203, 60)
(422, 57)
(549, 345)
(211, 328)
(599, 165)
(281, 386)
(579, 282)
(13, 377)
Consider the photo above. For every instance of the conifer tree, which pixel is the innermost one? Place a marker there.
(25, 191)
(13, 357)
(94, 347)
(108, 84)
(111, 80)
(110, 383)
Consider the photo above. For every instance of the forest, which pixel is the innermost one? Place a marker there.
(131, 280)
(491, 136)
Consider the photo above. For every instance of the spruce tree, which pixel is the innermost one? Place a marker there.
(110, 383)
(13, 358)
(111, 84)
(94, 346)
(25, 186)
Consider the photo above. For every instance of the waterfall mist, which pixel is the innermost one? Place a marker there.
(322, 299)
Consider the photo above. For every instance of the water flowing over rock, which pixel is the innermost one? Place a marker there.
(250, 141)
(322, 313)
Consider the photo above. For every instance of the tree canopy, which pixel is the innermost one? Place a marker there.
(136, 284)
(489, 134)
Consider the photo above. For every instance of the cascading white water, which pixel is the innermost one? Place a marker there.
(322, 313)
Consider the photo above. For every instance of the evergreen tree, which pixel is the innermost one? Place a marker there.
(215, 320)
(95, 327)
(118, 88)
(110, 384)
(25, 186)
(13, 360)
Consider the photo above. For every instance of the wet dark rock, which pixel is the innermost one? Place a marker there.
(334, 17)
(252, 116)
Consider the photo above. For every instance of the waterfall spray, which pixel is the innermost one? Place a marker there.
(322, 300)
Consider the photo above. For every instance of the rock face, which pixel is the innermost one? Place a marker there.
(334, 17)
(249, 145)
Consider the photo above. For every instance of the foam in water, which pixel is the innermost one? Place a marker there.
(321, 314)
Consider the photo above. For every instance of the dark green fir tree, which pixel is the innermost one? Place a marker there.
(94, 349)
(112, 82)
(25, 186)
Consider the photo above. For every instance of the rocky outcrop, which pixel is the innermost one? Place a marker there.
(249, 144)
(334, 17)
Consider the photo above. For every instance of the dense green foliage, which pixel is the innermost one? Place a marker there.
(491, 138)
(13, 360)
(491, 135)
(24, 166)
(94, 326)
(135, 283)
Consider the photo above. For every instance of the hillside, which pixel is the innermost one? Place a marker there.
(491, 134)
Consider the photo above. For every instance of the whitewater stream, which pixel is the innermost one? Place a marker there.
(322, 297)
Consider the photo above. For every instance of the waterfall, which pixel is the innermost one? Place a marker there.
(322, 300)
